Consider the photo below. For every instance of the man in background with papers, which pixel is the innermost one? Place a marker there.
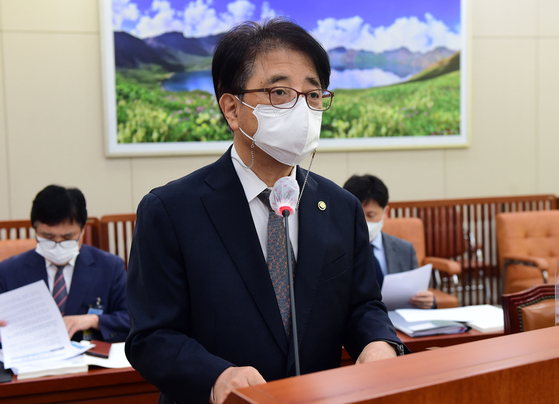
(87, 284)
(392, 255)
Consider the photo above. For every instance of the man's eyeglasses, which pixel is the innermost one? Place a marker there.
(286, 97)
(50, 244)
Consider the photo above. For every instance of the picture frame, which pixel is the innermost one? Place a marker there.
(332, 137)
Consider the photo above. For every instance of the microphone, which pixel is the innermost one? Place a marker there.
(283, 200)
(284, 196)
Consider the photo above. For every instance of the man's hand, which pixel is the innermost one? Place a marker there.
(375, 351)
(423, 300)
(2, 324)
(81, 323)
(234, 378)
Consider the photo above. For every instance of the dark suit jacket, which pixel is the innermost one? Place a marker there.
(96, 274)
(200, 295)
(400, 254)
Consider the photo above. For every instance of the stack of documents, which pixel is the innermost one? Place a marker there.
(77, 364)
(35, 341)
(50, 368)
(483, 318)
(425, 328)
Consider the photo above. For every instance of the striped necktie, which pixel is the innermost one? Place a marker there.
(277, 260)
(59, 292)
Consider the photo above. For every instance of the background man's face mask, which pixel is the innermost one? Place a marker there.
(374, 229)
(58, 255)
(287, 135)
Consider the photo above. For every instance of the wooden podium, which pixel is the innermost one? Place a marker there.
(518, 368)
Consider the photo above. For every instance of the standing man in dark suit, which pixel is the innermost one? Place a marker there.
(392, 254)
(87, 284)
(206, 315)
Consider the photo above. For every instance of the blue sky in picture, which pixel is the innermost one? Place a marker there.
(368, 25)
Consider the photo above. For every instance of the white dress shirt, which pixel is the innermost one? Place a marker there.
(253, 186)
(68, 273)
(378, 248)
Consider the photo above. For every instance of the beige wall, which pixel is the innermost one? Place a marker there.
(51, 114)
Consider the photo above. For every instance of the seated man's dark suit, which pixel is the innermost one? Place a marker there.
(200, 295)
(400, 254)
(96, 274)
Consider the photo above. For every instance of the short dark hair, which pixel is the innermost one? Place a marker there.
(55, 205)
(236, 52)
(368, 188)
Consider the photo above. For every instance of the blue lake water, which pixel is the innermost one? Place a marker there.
(190, 81)
(202, 80)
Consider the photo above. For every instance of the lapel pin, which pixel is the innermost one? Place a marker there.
(322, 205)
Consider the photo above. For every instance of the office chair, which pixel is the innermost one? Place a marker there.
(529, 309)
(528, 248)
(17, 246)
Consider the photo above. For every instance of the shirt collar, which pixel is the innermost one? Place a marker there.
(72, 262)
(377, 242)
(252, 185)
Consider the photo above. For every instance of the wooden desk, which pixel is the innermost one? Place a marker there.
(517, 368)
(419, 344)
(98, 386)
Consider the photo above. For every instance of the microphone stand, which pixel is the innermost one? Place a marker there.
(285, 214)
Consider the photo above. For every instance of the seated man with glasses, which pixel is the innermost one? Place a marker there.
(87, 284)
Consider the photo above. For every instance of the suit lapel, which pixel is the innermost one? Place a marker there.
(84, 272)
(390, 254)
(238, 234)
(36, 269)
(313, 233)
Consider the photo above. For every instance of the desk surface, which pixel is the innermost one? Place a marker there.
(106, 386)
(419, 344)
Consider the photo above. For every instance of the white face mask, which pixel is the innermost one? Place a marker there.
(287, 135)
(57, 255)
(374, 229)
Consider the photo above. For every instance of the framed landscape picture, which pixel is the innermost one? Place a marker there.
(399, 72)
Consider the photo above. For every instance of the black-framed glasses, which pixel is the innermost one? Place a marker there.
(50, 244)
(286, 97)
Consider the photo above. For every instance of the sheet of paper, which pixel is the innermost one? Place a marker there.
(397, 289)
(35, 329)
(117, 358)
(484, 312)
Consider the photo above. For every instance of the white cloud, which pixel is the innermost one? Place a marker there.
(124, 10)
(409, 32)
(163, 21)
(365, 78)
(240, 10)
(202, 20)
(197, 19)
(267, 13)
